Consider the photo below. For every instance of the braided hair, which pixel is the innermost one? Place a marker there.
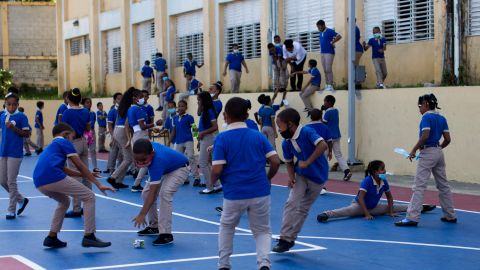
(373, 166)
(430, 99)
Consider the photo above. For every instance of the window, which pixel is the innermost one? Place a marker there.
(86, 43)
(189, 39)
(242, 27)
(145, 43)
(117, 60)
(76, 46)
(402, 21)
(473, 19)
(301, 18)
(114, 52)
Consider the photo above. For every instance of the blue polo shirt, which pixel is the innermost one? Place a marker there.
(321, 129)
(50, 164)
(102, 122)
(251, 124)
(170, 95)
(302, 145)
(150, 113)
(166, 160)
(193, 85)
(12, 144)
(217, 103)
(373, 191)
(326, 37)
(38, 118)
(235, 61)
(331, 119)
(278, 53)
(168, 124)
(243, 154)
(60, 111)
(77, 118)
(316, 77)
(377, 44)
(266, 113)
(160, 64)
(112, 116)
(183, 128)
(211, 116)
(121, 120)
(436, 123)
(136, 114)
(147, 72)
(190, 66)
(93, 119)
(358, 45)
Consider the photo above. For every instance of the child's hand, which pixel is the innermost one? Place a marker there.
(10, 125)
(210, 149)
(139, 221)
(368, 217)
(201, 135)
(103, 189)
(303, 164)
(411, 156)
(291, 183)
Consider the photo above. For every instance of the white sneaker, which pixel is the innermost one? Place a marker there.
(327, 87)
(324, 191)
(285, 102)
(331, 88)
(207, 191)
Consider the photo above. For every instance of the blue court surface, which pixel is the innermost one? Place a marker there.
(339, 244)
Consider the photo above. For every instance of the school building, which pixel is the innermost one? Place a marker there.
(28, 42)
(104, 43)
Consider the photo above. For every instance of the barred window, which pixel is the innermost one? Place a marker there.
(145, 43)
(189, 37)
(75, 46)
(114, 52)
(86, 43)
(301, 18)
(242, 27)
(473, 18)
(117, 60)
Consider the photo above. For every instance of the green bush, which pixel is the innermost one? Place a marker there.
(5, 80)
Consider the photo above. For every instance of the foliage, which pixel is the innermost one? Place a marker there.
(5, 80)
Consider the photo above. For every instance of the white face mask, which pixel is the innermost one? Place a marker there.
(141, 101)
(235, 51)
(212, 94)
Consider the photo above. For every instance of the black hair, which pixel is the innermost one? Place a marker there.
(373, 166)
(21, 109)
(12, 95)
(219, 86)
(316, 115)
(270, 45)
(430, 99)
(377, 27)
(13, 89)
(289, 115)
(145, 92)
(288, 43)
(249, 104)
(189, 73)
(171, 82)
(61, 127)
(116, 95)
(172, 102)
(330, 99)
(99, 103)
(158, 54)
(189, 54)
(126, 102)
(142, 146)
(237, 109)
(234, 45)
(276, 36)
(312, 62)
(207, 104)
(40, 104)
(183, 101)
(75, 96)
(147, 62)
(264, 99)
(321, 22)
(65, 94)
(84, 100)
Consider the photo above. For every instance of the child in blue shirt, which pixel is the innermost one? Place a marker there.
(168, 123)
(307, 175)
(328, 37)
(266, 118)
(90, 135)
(161, 66)
(234, 62)
(190, 67)
(366, 202)
(331, 118)
(170, 92)
(279, 67)
(321, 129)
(193, 86)
(239, 158)
(433, 127)
(39, 127)
(168, 170)
(312, 85)
(215, 90)
(115, 153)
(54, 180)
(250, 123)
(379, 46)
(61, 108)
(15, 128)
(102, 127)
(27, 142)
(148, 77)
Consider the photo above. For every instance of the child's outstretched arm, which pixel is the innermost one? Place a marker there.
(319, 149)
(361, 202)
(139, 220)
(389, 196)
(84, 172)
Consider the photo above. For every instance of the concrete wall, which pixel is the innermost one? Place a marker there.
(471, 59)
(78, 73)
(75, 9)
(38, 72)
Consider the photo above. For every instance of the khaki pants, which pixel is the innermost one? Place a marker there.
(258, 211)
(431, 161)
(301, 197)
(9, 168)
(40, 140)
(280, 75)
(204, 158)
(159, 81)
(82, 151)
(270, 134)
(327, 63)
(102, 133)
(187, 149)
(114, 156)
(27, 142)
(59, 191)
(147, 84)
(168, 186)
(354, 210)
(337, 152)
(380, 69)
(92, 150)
(358, 56)
(121, 138)
(235, 80)
(305, 96)
(143, 134)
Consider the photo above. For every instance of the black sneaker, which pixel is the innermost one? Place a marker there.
(10, 216)
(159, 109)
(407, 223)
(135, 174)
(113, 182)
(322, 218)
(72, 214)
(428, 208)
(39, 151)
(148, 231)
(196, 182)
(24, 204)
(97, 170)
(92, 241)
(186, 182)
(53, 242)
(444, 219)
(264, 268)
(122, 185)
(28, 154)
(163, 239)
(223, 268)
(283, 246)
(347, 175)
(138, 188)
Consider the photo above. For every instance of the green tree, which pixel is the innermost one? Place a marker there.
(5, 80)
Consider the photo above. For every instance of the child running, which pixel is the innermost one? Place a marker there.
(53, 179)
(239, 158)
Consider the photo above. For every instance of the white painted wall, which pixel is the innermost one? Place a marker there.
(109, 20)
(142, 11)
(176, 7)
(70, 31)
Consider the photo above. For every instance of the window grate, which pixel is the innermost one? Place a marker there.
(145, 43)
(473, 18)
(114, 52)
(75, 46)
(189, 37)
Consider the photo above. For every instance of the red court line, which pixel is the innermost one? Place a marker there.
(461, 201)
(9, 263)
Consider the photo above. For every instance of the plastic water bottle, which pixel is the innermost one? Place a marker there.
(194, 130)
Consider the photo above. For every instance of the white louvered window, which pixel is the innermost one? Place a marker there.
(145, 43)
(86, 43)
(473, 21)
(301, 17)
(401, 21)
(189, 37)
(114, 50)
(76, 46)
(242, 27)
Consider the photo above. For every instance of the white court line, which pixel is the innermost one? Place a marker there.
(184, 260)
(120, 231)
(33, 197)
(390, 242)
(25, 261)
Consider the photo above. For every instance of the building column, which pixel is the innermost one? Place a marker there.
(95, 41)
(264, 36)
(439, 15)
(209, 41)
(125, 44)
(60, 7)
(5, 36)
(340, 72)
(161, 27)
